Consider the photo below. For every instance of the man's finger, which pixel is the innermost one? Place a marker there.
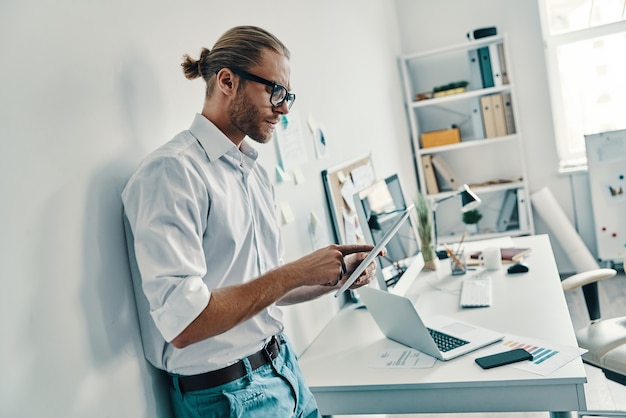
(355, 248)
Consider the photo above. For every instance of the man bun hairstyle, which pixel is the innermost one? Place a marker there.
(240, 47)
(192, 68)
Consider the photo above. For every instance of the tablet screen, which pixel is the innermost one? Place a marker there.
(374, 253)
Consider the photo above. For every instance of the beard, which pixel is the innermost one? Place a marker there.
(247, 118)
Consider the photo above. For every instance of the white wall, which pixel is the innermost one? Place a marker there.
(426, 25)
(88, 89)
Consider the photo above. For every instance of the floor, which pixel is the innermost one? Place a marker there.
(601, 394)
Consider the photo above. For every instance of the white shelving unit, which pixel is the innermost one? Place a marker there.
(493, 165)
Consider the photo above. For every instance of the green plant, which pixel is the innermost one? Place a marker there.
(424, 228)
(450, 86)
(472, 216)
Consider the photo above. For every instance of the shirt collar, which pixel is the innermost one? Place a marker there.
(214, 142)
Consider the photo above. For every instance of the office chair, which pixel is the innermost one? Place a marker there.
(605, 339)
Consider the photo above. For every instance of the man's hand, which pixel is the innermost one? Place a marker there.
(327, 269)
(326, 266)
(352, 262)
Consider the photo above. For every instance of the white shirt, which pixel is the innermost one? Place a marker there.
(200, 215)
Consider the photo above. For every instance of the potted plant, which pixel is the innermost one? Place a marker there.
(471, 218)
(424, 229)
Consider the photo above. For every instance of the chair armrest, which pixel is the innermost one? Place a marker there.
(591, 276)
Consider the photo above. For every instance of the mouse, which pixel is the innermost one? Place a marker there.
(517, 268)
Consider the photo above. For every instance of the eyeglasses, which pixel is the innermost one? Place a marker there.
(279, 94)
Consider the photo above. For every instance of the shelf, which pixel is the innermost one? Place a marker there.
(481, 189)
(490, 146)
(455, 48)
(467, 143)
(460, 96)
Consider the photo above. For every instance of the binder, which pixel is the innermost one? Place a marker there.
(475, 80)
(497, 104)
(477, 118)
(503, 66)
(429, 175)
(507, 211)
(485, 67)
(496, 70)
(445, 171)
(489, 123)
(508, 113)
(522, 211)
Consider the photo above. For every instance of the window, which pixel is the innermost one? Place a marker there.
(585, 44)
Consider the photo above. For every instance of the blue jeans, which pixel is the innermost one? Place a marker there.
(273, 390)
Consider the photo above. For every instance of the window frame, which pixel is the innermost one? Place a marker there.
(568, 162)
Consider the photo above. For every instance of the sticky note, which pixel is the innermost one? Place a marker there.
(286, 213)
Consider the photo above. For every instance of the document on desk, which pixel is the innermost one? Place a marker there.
(547, 357)
(401, 358)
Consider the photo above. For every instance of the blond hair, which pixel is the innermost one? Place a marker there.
(240, 47)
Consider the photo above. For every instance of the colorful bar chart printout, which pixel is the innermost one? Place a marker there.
(547, 357)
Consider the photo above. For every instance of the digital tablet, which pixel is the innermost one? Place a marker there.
(374, 253)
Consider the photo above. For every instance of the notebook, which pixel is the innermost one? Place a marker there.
(377, 249)
(443, 338)
(509, 255)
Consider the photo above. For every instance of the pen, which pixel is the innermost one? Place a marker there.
(458, 249)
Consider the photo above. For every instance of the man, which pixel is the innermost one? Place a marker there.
(205, 245)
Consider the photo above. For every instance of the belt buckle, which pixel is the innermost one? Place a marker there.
(266, 348)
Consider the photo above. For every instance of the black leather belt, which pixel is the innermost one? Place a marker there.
(229, 373)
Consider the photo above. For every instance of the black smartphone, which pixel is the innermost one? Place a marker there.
(507, 357)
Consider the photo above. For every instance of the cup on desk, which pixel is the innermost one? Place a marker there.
(458, 264)
(490, 258)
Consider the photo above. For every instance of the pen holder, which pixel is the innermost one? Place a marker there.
(458, 264)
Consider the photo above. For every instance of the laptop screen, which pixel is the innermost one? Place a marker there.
(378, 207)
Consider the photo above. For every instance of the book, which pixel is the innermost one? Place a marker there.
(489, 123)
(485, 67)
(510, 255)
(508, 113)
(445, 172)
(429, 175)
(497, 104)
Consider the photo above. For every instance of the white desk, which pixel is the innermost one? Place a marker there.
(336, 364)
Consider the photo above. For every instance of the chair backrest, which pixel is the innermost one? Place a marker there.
(589, 282)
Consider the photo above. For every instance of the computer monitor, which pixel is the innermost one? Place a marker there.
(377, 207)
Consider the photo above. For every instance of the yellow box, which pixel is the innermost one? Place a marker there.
(441, 137)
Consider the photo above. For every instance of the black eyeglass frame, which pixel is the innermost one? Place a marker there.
(289, 97)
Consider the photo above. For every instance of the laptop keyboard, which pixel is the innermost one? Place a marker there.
(446, 342)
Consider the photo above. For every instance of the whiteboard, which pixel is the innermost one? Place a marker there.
(606, 159)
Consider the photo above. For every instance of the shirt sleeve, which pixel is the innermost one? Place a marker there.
(164, 203)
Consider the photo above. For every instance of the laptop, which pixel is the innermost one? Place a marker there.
(444, 338)
(377, 249)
